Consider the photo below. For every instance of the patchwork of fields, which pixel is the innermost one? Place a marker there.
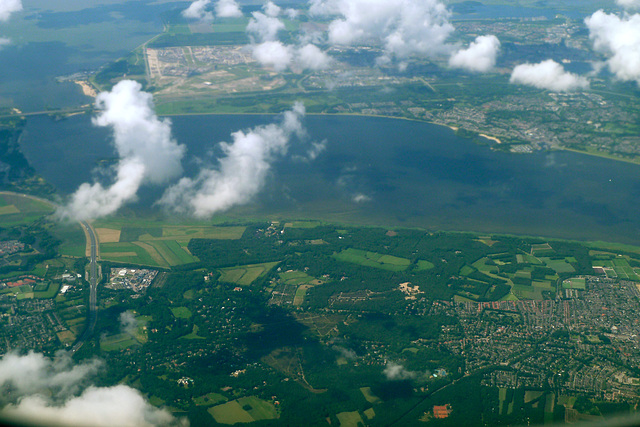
(155, 246)
(531, 276)
(16, 209)
(244, 410)
(618, 267)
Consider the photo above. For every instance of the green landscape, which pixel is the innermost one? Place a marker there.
(474, 269)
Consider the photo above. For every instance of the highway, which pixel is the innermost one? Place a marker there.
(92, 318)
(93, 289)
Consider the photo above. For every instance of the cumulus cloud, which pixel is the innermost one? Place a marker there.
(128, 322)
(629, 4)
(548, 75)
(148, 153)
(396, 372)
(404, 27)
(264, 27)
(97, 406)
(316, 149)
(311, 57)
(198, 10)
(619, 39)
(361, 198)
(270, 52)
(34, 373)
(240, 174)
(291, 13)
(273, 54)
(480, 56)
(228, 9)
(279, 56)
(7, 7)
(271, 9)
(44, 391)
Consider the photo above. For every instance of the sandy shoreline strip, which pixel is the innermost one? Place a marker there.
(492, 138)
(87, 89)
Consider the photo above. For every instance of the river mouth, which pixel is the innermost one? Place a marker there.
(381, 171)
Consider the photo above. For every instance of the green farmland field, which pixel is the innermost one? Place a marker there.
(181, 312)
(373, 259)
(245, 275)
(244, 410)
(16, 209)
(156, 244)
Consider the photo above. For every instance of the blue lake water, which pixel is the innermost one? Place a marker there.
(407, 174)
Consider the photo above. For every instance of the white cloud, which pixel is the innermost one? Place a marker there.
(34, 373)
(7, 7)
(629, 4)
(4, 41)
(619, 39)
(264, 27)
(128, 322)
(270, 52)
(147, 152)
(239, 175)
(228, 9)
(198, 10)
(271, 9)
(548, 75)
(361, 198)
(291, 13)
(279, 56)
(480, 56)
(404, 27)
(316, 149)
(119, 405)
(43, 391)
(273, 54)
(311, 57)
(396, 372)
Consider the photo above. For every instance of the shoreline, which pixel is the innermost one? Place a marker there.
(491, 138)
(87, 88)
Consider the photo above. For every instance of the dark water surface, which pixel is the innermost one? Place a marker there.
(402, 173)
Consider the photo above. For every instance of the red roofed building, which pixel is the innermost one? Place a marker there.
(442, 411)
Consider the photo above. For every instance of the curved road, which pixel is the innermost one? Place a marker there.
(93, 291)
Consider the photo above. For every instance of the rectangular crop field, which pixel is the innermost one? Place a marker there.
(296, 277)
(156, 244)
(527, 292)
(172, 252)
(246, 274)
(230, 413)
(373, 259)
(181, 312)
(303, 224)
(301, 292)
(209, 399)
(559, 265)
(483, 267)
(117, 342)
(574, 283)
(350, 419)
(16, 209)
(50, 290)
(192, 232)
(130, 253)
